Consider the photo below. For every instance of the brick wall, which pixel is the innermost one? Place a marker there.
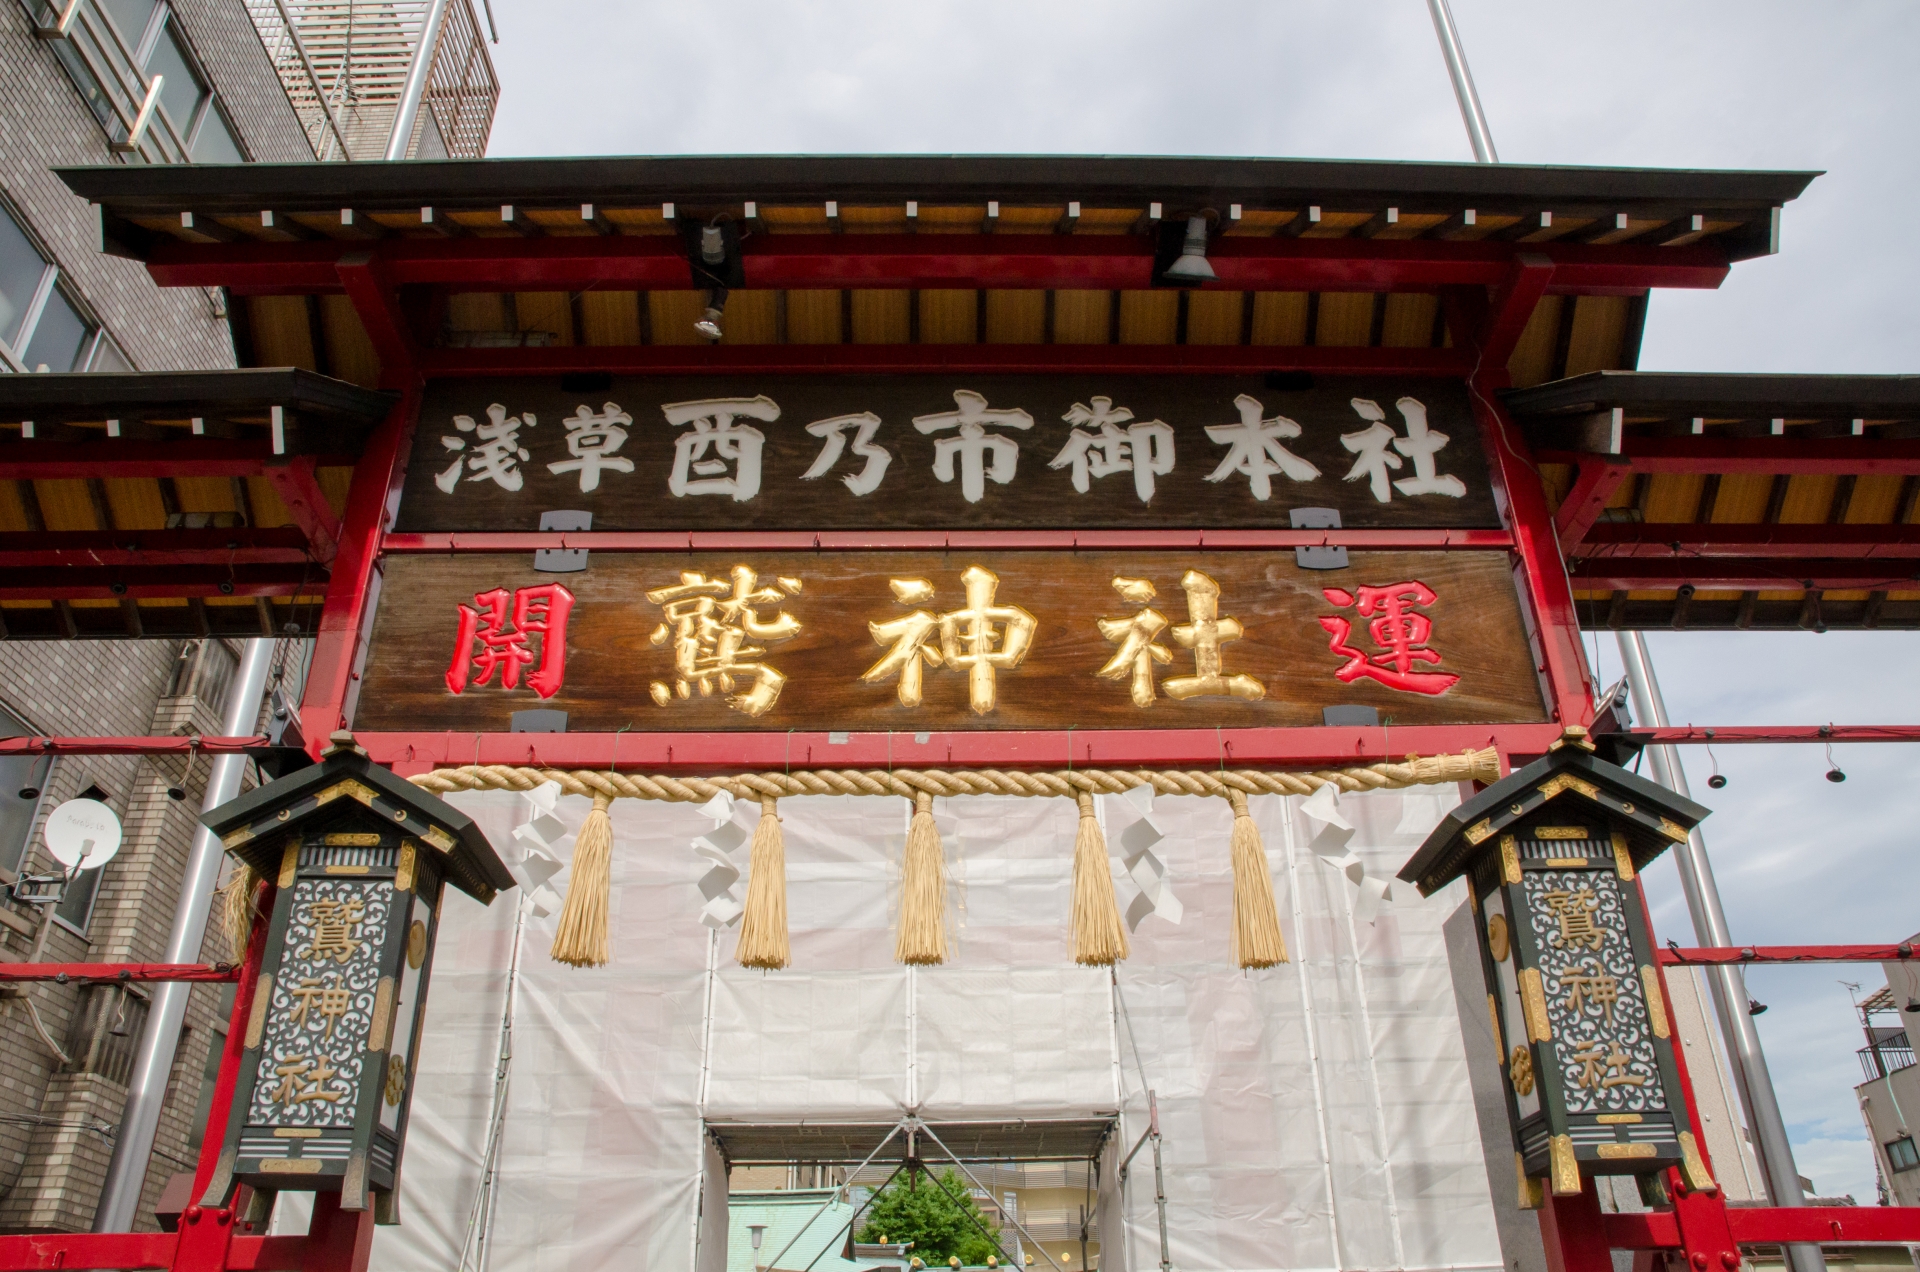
(49, 126)
(51, 1165)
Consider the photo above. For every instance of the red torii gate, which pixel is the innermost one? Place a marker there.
(394, 239)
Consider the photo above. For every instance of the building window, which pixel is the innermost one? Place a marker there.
(41, 328)
(1901, 1154)
(113, 50)
(21, 780)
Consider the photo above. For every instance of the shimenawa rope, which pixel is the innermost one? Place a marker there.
(1099, 937)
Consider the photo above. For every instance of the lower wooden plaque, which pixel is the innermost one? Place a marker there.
(910, 641)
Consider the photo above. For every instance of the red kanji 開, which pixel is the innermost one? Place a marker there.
(1396, 628)
(486, 641)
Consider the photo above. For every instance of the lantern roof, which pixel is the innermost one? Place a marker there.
(1649, 816)
(254, 827)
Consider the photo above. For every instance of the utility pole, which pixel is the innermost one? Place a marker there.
(1476, 120)
(160, 1035)
(1745, 1056)
(1726, 980)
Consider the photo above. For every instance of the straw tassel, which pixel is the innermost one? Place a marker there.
(923, 890)
(1099, 939)
(236, 907)
(763, 929)
(582, 940)
(1257, 941)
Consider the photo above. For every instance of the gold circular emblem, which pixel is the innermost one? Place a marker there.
(397, 1080)
(1626, 808)
(416, 945)
(1497, 940)
(1520, 1068)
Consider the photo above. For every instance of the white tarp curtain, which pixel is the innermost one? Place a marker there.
(1315, 1115)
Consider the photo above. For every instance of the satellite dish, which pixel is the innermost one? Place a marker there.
(83, 834)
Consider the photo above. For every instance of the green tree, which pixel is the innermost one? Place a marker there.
(938, 1216)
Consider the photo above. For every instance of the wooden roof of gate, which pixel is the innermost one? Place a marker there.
(1318, 261)
(1733, 501)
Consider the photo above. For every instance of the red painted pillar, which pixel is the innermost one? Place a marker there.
(337, 1240)
(348, 611)
(214, 1134)
(1574, 1234)
(1491, 322)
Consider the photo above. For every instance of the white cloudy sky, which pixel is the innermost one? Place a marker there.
(1718, 83)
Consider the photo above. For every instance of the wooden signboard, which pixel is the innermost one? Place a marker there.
(913, 641)
(946, 452)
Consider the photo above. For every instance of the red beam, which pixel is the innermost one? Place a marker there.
(21, 550)
(1756, 574)
(69, 1250)
(370, 285)
(1592, 488)
(1866, 1224)
(75, 583)
(650, 262)
(1657, 540)
(411, 753)
(1719, 735)
(64, 972)
(299, 489)
(1642, 1230)
(188, 457)
(266, 1254)
(972, 359)
(440, 544)
(1704, 955)
(1832, 456)
(129, 746)
(1510, 306)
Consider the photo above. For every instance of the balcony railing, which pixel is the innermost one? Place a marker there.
(1892, 1053)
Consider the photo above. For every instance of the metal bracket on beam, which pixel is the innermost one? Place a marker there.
(562, 560)
(1323, 558)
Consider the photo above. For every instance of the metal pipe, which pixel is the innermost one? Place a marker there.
(1470, 112)
(1728, 983)
(416, 90)
(160, 1035)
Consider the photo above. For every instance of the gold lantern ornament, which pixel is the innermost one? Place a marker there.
(1551, 855)
(361, 861)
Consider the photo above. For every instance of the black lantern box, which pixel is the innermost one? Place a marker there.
(1550, 854)
(362, 859)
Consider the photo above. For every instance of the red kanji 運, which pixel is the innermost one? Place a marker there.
(487, 641)
(1396, 628)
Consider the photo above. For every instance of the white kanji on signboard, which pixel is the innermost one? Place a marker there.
(592, 440)
(982, 454)
(1421, 444)
(1256, 449)
(497, 456)
(700, 458)
(1143, 447)
(833, 434)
